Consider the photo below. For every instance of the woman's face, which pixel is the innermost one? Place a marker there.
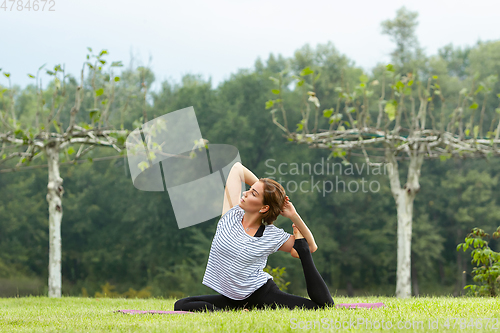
(253, 199)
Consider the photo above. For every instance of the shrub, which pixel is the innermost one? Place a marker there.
(487, 274)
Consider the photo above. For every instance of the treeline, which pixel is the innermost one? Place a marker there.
(113, 233)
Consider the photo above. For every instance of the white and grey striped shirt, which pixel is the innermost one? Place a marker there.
(236, 261)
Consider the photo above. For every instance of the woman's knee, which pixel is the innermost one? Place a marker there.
(180, 305)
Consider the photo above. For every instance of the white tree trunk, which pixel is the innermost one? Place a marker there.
(404, 198)
(54, 194)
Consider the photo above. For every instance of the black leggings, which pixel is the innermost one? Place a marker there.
(269, 294)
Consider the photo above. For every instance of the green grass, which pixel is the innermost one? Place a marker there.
(73, 314)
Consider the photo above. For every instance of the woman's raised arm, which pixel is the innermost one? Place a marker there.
(238, 174)
(289, 211)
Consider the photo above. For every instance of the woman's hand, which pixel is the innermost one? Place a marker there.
(288, 210)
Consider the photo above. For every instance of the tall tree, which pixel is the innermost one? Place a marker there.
(395, 132)
(47, 139)
(402, 32)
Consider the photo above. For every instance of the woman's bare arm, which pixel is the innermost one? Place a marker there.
(289, 211)
(304, 230)
(232, 193)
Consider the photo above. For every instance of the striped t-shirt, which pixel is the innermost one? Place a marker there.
(236, 261)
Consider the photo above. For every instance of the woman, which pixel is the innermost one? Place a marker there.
(245, 237)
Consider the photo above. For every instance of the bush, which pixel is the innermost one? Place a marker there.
(277, 274)
(487, 274)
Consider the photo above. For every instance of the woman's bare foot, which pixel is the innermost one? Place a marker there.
(296, 232)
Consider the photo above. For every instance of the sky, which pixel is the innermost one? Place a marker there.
(216, 38)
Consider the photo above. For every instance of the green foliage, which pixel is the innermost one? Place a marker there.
(278, 276)
(112, 231)
(390, 110)
(487, 272)
(107, 291)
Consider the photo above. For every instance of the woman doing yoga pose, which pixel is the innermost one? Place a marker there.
(245, 237)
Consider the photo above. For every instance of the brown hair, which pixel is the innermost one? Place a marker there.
(274, 196)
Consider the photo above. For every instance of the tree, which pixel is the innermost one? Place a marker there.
(402, 32)
(39, 140)
(431, 132)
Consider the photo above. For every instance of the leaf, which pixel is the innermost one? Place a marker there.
(275, 80)
(390, 109)
(57, 83)
(389, 68)
(463, 91)
(95, 112)
(435, 77)
(103, 52)
(306, 71)
(399, 85)
(99, 92)
(497, 110)
(269, 104)
(56, 126)
(71, 150)
(300, 127)
(275, 91)
(335, 118)
(437, 92)
(317, 77)
(6, 74)
(116, 64)
(88, 48)
(315, 100)
(467, 131)
(4, 156)
(117, 78)
(31, 76)
(363, 78)
(300, 83)
(476, 131)
(327, 113)
(410, 83)
(473, 106)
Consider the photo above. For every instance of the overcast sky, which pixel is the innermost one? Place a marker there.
(215, 38)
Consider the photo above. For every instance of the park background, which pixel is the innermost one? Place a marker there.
(116, 236)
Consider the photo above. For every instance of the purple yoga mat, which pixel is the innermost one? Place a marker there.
(152, 311)
(359, 305)
(341, 305)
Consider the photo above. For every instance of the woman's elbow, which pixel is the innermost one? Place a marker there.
(313, 248)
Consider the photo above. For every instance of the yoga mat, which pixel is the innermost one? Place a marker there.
(341, 305)
(360, 305)
(152, 311)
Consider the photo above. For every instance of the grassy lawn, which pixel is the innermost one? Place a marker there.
(73, 314)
